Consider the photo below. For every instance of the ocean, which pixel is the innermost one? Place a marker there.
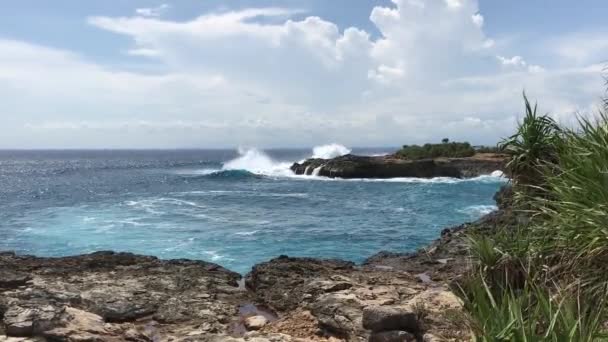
(235, 208)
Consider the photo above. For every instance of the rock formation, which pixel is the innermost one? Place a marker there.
(351, 166)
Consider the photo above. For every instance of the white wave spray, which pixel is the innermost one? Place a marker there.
(329, 151)
(258, 162)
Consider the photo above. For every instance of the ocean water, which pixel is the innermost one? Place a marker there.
(234, 208)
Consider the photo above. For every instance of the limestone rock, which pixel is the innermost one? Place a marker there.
(255, 322)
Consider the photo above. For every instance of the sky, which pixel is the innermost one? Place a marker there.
(291, 73)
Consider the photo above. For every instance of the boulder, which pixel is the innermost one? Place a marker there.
(386, 318)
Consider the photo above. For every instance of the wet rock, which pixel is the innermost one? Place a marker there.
(255, 322)
(392, 336)
(386, 318)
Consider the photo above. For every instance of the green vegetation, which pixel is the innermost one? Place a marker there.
(544, 277)
(532, 145)
(446, 149)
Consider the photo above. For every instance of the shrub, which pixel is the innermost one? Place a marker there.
(531, 314)
(574, 205)
(547, 280)
(445, 150)
(531, 146)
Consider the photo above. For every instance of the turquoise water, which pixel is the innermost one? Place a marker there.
(234, 209)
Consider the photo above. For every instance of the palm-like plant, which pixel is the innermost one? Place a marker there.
(533, 144)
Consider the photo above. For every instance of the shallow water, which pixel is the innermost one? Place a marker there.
(220, 206)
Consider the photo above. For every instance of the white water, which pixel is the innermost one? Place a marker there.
(316, 171)
(258, 162)
(478, 210)
(330, 151)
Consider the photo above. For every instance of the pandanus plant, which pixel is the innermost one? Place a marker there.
(533, 145)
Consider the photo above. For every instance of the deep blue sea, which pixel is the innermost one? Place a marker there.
(234, 208)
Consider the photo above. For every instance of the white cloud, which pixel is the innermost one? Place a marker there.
(518, 62)
(152, 11)
(477, 19)
(260, 77)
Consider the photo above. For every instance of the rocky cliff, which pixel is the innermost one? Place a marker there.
(351, 166)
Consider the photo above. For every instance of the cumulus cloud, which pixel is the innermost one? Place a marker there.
(259, 76)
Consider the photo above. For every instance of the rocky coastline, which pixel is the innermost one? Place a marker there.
(108, 296)
(393, 166)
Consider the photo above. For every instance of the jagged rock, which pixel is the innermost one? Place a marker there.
(281, 282)
(392, 336)
(386, 318)
(339, 314)
(107, 290)
(255, 322)
(351, 166)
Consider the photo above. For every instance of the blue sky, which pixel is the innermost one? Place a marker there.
(270, 73)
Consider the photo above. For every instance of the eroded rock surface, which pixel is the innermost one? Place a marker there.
(110, 296)
(349, 302)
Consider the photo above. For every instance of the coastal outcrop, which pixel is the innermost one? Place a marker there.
(110, 296)
(393, 166)
(107, 296)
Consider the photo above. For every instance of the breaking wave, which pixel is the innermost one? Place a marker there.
(330, 151)
(253, 162)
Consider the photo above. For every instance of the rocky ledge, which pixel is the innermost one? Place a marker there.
(107, 296)
(392, 166)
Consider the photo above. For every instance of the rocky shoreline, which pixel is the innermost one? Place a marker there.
(394, 166)
(107, 296)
